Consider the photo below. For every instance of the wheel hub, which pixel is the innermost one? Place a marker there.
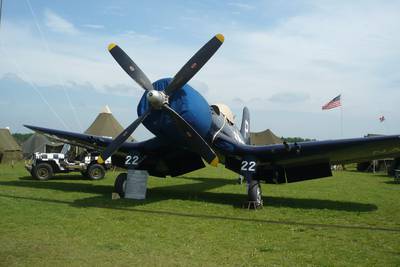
(43, 172)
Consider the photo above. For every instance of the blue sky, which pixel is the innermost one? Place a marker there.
(282, 59)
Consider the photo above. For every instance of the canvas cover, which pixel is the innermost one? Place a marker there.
(9, 148)
(226, 111)
(106, 125)
(266, 137)
(40, 143)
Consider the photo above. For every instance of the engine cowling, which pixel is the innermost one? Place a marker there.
(187, 102)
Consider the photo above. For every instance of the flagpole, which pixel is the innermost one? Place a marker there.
(334, 103)
(341, 115)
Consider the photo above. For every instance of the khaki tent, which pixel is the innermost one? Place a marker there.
(106, 125)
(266, 137)
(9, 148)
(40, 143)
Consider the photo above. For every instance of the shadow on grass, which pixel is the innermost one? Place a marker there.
(126, 205)
(66, 177)
(197, 191)
(392, 182)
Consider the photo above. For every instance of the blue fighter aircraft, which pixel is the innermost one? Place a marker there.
(189, 131)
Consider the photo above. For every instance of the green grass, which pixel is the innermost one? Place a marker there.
(197, 220)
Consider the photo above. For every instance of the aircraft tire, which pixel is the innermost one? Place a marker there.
(96, 171)
(42, 171)
(254, 193)
(119, 185)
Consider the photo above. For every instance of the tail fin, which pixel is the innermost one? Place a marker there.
(245, 128)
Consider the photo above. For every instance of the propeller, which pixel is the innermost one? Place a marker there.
(159, 100)
(192, 138)
(130, 67)
(121, 138)
(195, 64)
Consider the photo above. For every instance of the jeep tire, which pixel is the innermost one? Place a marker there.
(96, 172)
(42, 171)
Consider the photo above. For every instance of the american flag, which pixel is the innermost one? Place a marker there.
(334, 103)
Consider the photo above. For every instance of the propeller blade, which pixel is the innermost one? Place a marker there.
(121, 138)
(194, 140)
(195, 64)
(130, 67)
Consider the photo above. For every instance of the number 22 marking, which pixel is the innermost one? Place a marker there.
(248, 166)
(131, 160)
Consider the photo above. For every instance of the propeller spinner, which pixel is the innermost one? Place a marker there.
(159, 99)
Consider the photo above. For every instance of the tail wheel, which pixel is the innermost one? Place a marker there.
(96, 171)
(120, 184)
(254, 193)
(42, 171)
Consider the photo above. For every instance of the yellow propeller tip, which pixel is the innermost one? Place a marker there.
(214, 162)
(100, 160)
(220, 37)
(111, 46)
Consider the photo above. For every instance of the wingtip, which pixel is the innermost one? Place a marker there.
(214, 162)
(220, 37)
(31, 127)
(111, 46)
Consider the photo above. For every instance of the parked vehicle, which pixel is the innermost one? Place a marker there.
(44, 166)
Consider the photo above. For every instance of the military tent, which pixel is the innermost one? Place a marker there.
(106, 125)
(40, 143)
(9, 148)
(266, 137)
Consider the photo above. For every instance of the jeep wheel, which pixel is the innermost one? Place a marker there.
(96, 172)
(42, 171)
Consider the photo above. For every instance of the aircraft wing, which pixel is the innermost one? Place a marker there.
(309, 159)
(159, 157)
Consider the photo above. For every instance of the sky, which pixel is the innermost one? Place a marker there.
(282, 59)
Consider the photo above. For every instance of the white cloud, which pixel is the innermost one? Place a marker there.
(241, 5)
(321, 53)
(289, 97)
(58, 24)
(93, 26)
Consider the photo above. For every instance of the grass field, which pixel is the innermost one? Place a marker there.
(197, 220)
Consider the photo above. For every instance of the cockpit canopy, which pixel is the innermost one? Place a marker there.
(225, 111)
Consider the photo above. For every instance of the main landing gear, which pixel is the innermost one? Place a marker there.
(132, 184)
(120, 184)
(254, 194)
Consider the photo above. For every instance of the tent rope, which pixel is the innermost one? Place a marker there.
(46, 44)
(27, 78)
